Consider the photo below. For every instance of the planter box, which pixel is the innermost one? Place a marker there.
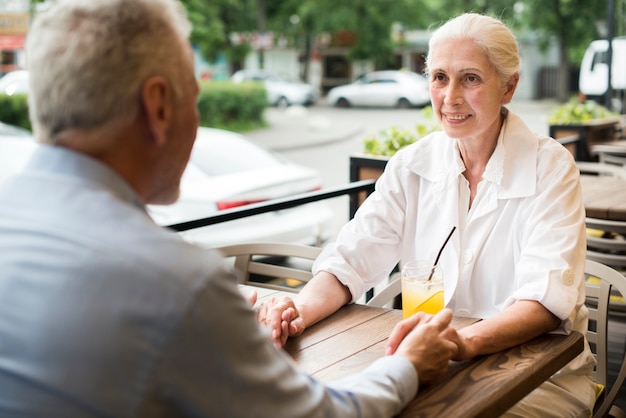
(578, 138)
(364, 167)
(368, 167)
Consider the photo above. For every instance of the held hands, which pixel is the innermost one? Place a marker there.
(282, 317)
(425, 341)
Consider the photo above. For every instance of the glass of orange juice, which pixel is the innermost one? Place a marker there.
(418, 292)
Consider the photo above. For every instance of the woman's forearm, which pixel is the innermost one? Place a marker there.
(322, 296)
(520, 322)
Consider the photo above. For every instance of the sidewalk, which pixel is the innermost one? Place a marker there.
(299, 127)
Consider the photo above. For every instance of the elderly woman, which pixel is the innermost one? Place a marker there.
(516, 258)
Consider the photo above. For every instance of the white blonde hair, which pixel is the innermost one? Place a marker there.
(495, 39)
(87, 60)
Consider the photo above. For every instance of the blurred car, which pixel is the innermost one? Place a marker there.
(16, 145)
(388, 88)
(12, 131)
(226, 170)
(14, 82)
(280, 92)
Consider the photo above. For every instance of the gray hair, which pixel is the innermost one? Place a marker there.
(489, 33)
(88, 60)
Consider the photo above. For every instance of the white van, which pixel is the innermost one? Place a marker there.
(594, 70)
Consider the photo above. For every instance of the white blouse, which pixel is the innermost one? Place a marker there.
(523, 238)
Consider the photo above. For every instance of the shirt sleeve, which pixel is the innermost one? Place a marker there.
(369, 246)
(550, 268)
(220, 362)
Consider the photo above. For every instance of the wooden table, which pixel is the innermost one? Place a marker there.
(355, 336)
(580, 137)
(604, 197)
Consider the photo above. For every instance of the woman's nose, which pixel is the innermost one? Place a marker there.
(453, 94)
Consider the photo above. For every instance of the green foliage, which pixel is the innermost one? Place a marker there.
(388, 141)
(236, 107)
(213, 21)
(369, 20)
(571, 22)
(14, 110)
(574, 112)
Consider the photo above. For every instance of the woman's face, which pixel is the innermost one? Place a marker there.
(466, 92)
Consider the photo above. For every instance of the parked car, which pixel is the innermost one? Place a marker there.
(14, 82)
(280, 91)
(388, 88)
(226, 170)
(16, 145)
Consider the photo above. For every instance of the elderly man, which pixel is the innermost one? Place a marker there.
(104, 313)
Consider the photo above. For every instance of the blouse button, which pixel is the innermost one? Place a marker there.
(568, 277)
(468, 256)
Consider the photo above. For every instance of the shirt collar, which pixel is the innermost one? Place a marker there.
(60, 161)
(512, 166)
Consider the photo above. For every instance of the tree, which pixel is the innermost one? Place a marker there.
(572, 23)
(369, 21)
(213, 23)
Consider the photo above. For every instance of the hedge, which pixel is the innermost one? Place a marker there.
(14, 110)
(225, 105)
(237, 107)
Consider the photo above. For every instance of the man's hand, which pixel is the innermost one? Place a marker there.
(282, 317)
(421, 338)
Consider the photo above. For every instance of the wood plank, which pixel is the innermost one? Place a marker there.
(367, 356)
(604, 197)
(489, 385)
(352, 340)
(345, 318)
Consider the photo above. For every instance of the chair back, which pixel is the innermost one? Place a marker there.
(601, 169)
(605, 288)
(609, 246)
(272, 265)
(388, 293)
(614, 159)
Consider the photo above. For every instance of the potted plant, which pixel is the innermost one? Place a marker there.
(580, 123)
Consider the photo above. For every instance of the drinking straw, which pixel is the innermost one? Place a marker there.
(439, 254)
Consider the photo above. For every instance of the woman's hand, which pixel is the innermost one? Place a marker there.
(282, 317)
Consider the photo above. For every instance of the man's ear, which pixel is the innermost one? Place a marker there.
(156, 98)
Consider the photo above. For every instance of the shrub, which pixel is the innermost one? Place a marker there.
(225, 105)
(14, 110)
(389, 140)
(232, 106)
(574, 112)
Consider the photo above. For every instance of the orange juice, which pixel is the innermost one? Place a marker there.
(419, 294)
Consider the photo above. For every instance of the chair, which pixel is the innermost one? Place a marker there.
(611, 152)
(272, 265)
(607, 158)
(601, 169)
(601, 284)
(388, 293)
(606, 242)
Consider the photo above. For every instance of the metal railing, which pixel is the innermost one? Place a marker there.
(352, 189)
